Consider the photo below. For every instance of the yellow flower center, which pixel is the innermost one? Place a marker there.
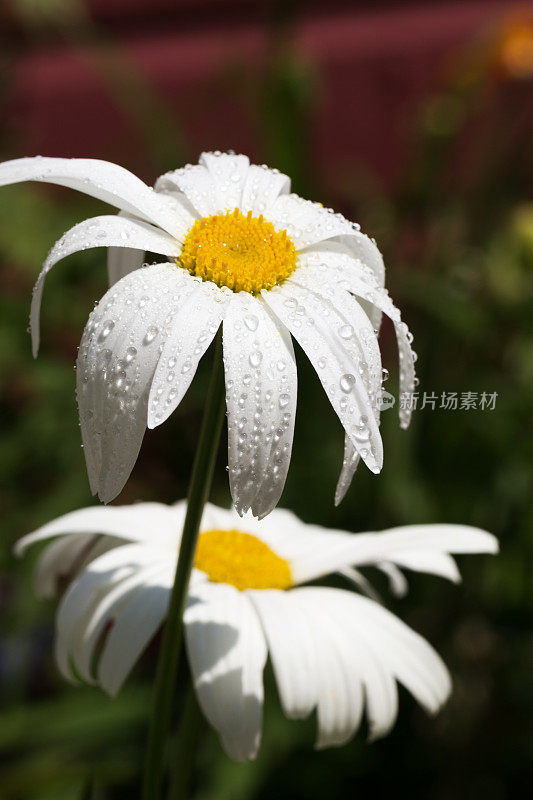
(242, 560)
(244, 253)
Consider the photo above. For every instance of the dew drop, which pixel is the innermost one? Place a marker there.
(106, 330)
(284, 400)
(255, 358)
(346, 331)
(131, 352)
(151, 333)
(251, 322)
(347, 382)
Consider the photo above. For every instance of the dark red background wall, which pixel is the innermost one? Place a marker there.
(370, 64)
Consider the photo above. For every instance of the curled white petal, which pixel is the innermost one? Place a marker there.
(103, 180)
(381, 300)
(350, 463)
(153, 522)
(421, 546)
(138, 620)
(99, 232)
(78, 602)
(59, 560)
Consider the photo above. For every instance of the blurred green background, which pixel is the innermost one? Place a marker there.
(453, 216)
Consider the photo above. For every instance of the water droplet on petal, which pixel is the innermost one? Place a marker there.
(151, 333)
(347, 382)
(251, 322)
(131, 352)
(255, 358)
(346, 331)
(106, 330)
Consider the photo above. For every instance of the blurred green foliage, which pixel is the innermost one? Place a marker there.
(460, 265)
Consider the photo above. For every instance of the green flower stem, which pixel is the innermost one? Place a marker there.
(167, 667)
(183, 759)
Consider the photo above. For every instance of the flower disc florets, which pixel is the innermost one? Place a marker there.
(244, 253)
(242, 560)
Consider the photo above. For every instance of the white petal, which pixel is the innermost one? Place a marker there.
(156, 523)
(359, 580)
(312, 227)
(58, 560)
(381, 300)
(79, 599)
(441, 536)
(99, 232)
(137, 621)
(363, 259)
(261, 188)
(331, 551)
(192, 332)
(292, 650)
(105, 610)
(229, 172)
(117, 358)
(196, 183)
(261, 386)
(397, 581)
(358, 332)
(103, 180)
(315, 327)
(350, 463)
(409, 657)
(429, 561)
(227, 653)
(344, 668)
(355, 332)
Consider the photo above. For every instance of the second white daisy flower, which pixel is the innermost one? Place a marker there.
(332, 649)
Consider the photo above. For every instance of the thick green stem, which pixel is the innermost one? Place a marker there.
(183, 757)
(167, 667)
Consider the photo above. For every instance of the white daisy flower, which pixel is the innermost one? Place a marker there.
(332, 649)
(241, 251)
